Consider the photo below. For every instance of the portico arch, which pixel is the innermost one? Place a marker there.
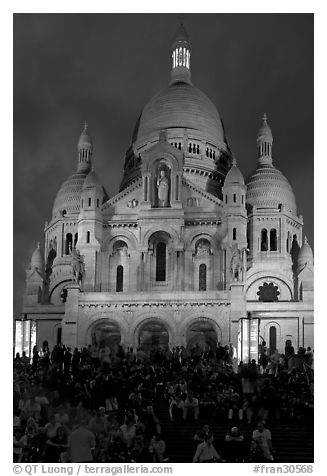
(202, 332)
(103, 333)
(152, 333)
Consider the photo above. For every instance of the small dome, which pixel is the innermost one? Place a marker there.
(265, 134)
(305, 255)
(37, 260)
(68, 197)
(179, 106)
(91, 180)
(234, 176)
(267, 187)
(85, 140)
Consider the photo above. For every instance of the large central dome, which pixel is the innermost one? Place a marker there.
(180, 106)
(190, 122)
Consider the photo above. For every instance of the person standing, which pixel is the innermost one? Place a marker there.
(81, 444)
(261, 438)
(206, 452)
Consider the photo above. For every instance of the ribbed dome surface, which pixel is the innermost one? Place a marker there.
(180, 105)
(68, 197)
(268, 188)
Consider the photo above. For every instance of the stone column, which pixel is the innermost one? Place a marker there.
(70, 320)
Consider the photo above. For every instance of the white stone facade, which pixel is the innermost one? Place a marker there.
(184, 272)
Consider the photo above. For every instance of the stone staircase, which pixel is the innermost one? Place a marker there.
(292, 442)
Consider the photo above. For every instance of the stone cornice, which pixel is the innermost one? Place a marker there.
(202, 222)
(120, 224)
(154, 305)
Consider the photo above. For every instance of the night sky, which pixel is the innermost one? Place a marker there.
(105, 67)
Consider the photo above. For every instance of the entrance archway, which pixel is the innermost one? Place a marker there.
(153, 336)
(201, 334)
(106, 334)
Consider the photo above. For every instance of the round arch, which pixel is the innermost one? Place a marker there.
(159, 228)
(128, 237)
(191, 242)
(150, 159)
(105, 332)
(267, 334)
(284, 286)
(56, 289)
(154, 319)
(203, 331)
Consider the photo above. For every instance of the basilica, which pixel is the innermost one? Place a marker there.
(187, 253)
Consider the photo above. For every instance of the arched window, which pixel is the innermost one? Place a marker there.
(120, 279)
(98, 203)
(226, 199)
(68, 243)
(264, 240)
(272, 339)
(89, 201)
(161, 262)
(273, 240)
(88, 237)
(234, 233)
(202, 277)
(234, 197)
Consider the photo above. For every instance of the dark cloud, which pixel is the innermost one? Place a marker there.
(105, 67)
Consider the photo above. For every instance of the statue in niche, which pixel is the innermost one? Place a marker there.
(78, 266)
(236, 266)
(163, 189)
(120, 248)
(202, 248)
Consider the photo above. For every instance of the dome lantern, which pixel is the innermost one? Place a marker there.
(85, 149)
(181, 57)
(264, 141)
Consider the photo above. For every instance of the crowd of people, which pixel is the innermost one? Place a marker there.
(97, 405)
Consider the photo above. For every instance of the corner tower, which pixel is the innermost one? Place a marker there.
(274, 228)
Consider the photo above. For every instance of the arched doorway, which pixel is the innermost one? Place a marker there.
(106, 334)
(201, 334)
(153, 336)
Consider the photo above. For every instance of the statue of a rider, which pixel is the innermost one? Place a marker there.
(78, 267)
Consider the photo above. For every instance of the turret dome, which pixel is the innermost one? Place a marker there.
(234, 176)
(267, 187)
(36, 259)
(68, 197)
(67, 201)
(305, 256)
